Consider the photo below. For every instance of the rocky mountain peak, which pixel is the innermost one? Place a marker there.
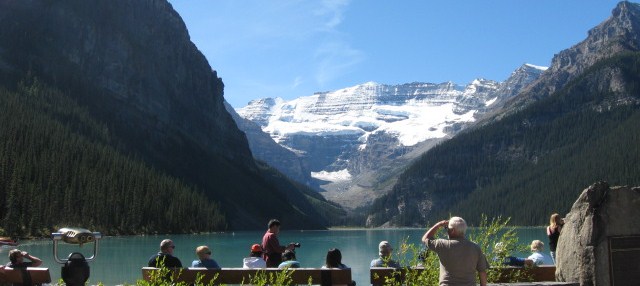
(619, 33)
(626, 11)
(349, 136)
(522, 76)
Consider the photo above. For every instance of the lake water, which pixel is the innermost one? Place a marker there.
(119, 259)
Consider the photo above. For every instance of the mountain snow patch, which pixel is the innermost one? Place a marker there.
(338, 176)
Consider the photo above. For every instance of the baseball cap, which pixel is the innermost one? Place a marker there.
(256, 248)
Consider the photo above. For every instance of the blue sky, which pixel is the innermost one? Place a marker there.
(293, 48)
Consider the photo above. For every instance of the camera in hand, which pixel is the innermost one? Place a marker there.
(296, 245)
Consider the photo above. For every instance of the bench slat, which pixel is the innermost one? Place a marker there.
(39, 275)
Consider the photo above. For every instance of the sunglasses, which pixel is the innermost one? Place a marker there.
(208, 252)
(173, 246)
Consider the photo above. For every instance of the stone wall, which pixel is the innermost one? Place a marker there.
(599, 213)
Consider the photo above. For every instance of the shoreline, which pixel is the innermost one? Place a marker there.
(337, 228)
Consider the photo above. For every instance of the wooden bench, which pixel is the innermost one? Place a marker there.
(25, 276)
(378, 275)
(538, 273)
(317, 276)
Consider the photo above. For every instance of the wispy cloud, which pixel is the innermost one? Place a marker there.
(334, 60)
(335, 56)
(296, 82)
(334, 11)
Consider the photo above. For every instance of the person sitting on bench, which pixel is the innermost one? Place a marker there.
(17, 257)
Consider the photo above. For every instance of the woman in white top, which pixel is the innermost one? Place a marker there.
(255, 258)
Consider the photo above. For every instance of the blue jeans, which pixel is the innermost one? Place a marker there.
(513, 261)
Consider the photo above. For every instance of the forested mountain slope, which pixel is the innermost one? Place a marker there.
(576, 124)
(58, 168)
(140, 82)
(531, 163)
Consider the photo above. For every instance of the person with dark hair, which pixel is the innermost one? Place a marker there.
(255, 258)
(16, 259)
(289, 260)
(334, 259)
(165, 256)
(271, 245)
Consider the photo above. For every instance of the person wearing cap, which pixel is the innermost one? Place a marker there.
(271, 245)
(16, 259)
(460, 258)
(385, 250)
(255, 258)
(165, 256)
(204, 258)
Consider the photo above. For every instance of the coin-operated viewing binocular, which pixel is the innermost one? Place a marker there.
(75, 269)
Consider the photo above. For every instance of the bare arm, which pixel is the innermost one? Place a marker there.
(431, 233)
(36, 261)
(483, 278)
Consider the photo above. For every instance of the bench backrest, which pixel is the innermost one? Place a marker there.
(317, 276)
(26, 276)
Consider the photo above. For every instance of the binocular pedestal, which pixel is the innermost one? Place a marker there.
(75, 269)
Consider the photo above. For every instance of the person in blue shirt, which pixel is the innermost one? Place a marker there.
(538, 257)
(204, 258)
(385, 250)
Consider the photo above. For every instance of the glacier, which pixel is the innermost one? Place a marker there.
(356, 137)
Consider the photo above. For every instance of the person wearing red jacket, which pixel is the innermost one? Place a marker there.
(271, 245)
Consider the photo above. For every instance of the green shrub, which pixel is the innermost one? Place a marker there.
(422, 267)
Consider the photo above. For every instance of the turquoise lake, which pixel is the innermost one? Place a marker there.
(119, 259)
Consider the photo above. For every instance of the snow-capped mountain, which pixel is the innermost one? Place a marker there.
(344, 134)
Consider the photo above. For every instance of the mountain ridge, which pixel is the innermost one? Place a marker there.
(575, 125)
(352, 138)
(616, 34)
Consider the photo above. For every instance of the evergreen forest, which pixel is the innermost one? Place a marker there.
(59, 167)
(534, 162)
